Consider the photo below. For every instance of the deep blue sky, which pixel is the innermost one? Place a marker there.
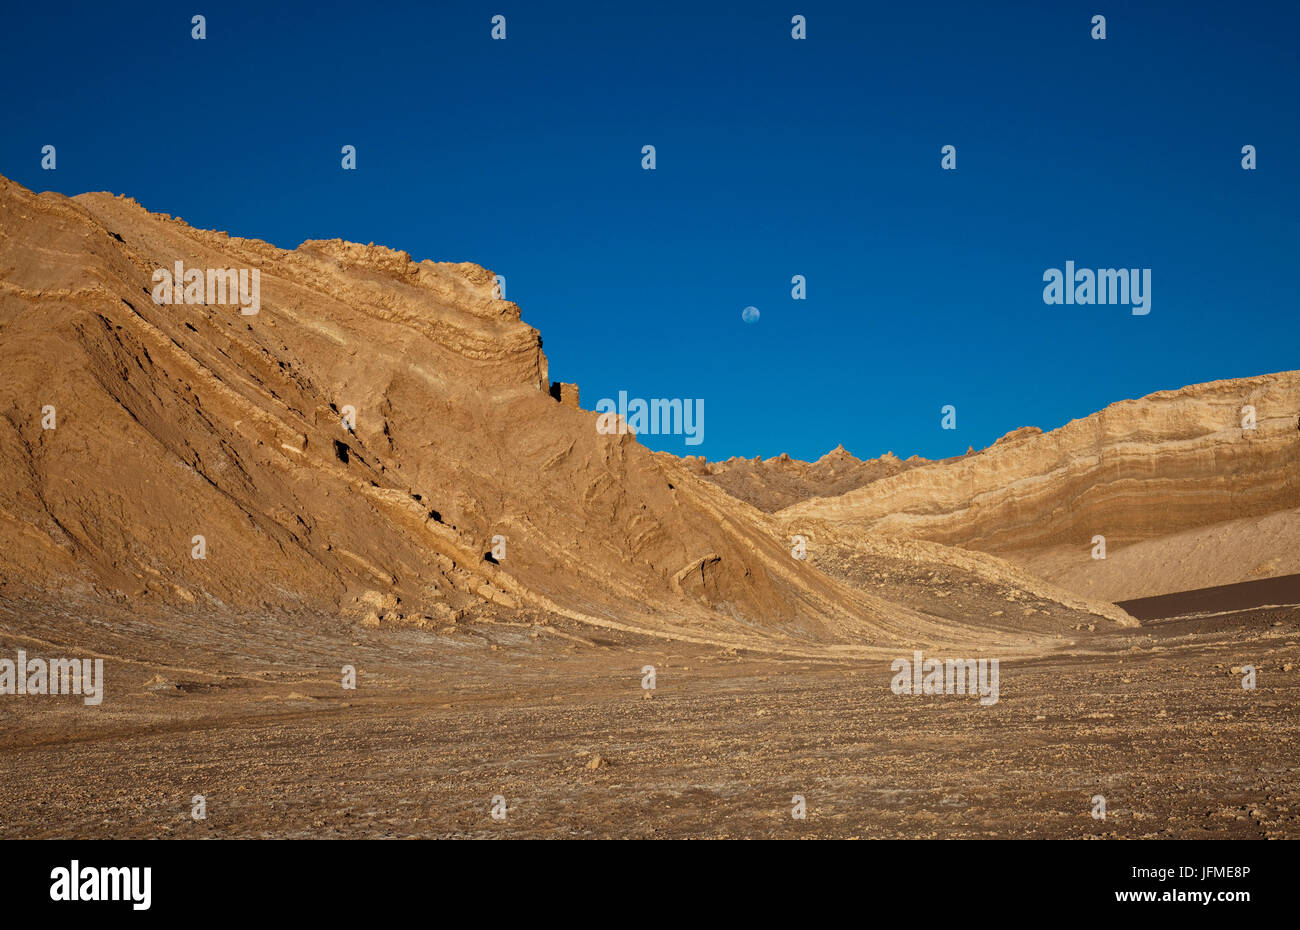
(775, 157)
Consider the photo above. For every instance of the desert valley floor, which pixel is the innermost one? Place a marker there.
(373, 468)
(554, 719)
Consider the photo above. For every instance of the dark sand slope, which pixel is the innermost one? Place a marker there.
(1267, 592)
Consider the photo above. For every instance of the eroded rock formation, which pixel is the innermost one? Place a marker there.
(359, 445)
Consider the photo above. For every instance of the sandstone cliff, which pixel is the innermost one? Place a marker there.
(1145, 474)
(358, 446)
(781, 481)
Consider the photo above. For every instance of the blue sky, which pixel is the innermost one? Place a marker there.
(775, 157)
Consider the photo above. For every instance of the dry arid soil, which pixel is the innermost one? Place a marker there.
(554, 720)
(374, 472)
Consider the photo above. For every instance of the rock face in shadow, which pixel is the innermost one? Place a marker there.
(361, 442)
